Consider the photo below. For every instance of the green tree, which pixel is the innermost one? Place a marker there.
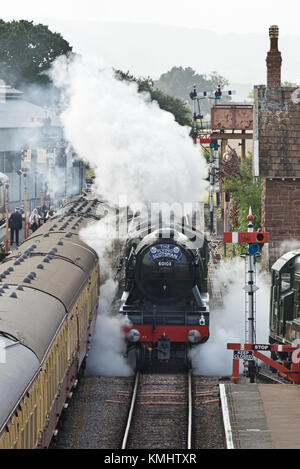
(27, 50)
(179, 82)
(245, 191)
(288, 84)
(176, 106)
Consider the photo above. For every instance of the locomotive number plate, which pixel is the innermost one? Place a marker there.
(164, 264)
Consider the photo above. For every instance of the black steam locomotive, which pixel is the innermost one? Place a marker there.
(165, 293)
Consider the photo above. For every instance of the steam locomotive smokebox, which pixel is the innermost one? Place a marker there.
(164, 271)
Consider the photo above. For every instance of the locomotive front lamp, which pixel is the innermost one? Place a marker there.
(133, 335)
(194, 336)
(202, 321)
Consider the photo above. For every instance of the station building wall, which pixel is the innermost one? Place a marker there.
(278, 118)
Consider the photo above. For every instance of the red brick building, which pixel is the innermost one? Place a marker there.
(277, 153)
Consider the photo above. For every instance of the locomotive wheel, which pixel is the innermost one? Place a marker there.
(188, 360)
(140, 359)
(135, 358)
(132, 358)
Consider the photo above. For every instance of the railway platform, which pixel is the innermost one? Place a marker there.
(261, 416)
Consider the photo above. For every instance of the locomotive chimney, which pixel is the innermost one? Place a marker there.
(274, 60)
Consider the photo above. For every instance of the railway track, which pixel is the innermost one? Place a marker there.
(173, 411)
(160, 412)
(268, 378)
(99, 412)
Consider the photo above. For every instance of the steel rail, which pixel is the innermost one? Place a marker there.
(190, 411)
(270, 379)
(132, 405)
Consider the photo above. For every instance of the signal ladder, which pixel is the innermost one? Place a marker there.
(247, 307)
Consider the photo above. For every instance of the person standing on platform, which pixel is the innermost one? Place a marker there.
(15, 225)
(34, 220)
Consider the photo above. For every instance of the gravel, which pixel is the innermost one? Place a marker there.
(96, 416)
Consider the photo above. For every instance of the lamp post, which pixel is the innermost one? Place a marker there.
(23, 172)
(7, 243)
(25, 207)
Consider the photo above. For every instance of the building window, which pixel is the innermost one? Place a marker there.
(285, 282)
(12, 161)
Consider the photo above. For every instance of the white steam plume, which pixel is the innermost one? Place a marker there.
(136, 149)
(227, 323)
(288, 245)
(3, 178)
(139, 154)
(106, 355)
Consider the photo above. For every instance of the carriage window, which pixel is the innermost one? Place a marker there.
(285, 282)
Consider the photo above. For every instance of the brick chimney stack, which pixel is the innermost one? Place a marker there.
(274, 60)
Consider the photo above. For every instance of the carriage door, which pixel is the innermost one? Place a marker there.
(286, 301)
(274, 321)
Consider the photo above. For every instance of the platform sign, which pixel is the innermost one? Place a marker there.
(242, 355)
(262, 347)
(250, 352)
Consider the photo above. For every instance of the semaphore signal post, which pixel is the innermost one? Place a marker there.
(255, 241)
(250, 352)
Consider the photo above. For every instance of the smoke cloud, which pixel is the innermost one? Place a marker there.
(287, 246)
(3, 178)
(136, 149)
(139, 155)
(227, 323)
(107, 347)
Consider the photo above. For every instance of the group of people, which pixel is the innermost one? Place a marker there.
(36, 217)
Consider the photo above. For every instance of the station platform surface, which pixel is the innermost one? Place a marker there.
(264, 416)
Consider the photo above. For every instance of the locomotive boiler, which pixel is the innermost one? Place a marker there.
(165, 294)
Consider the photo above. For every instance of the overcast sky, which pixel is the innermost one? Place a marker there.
(221, 16)
(230, 36)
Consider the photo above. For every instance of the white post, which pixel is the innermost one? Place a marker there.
(251, 292)
(2, 352)
(251, 289)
